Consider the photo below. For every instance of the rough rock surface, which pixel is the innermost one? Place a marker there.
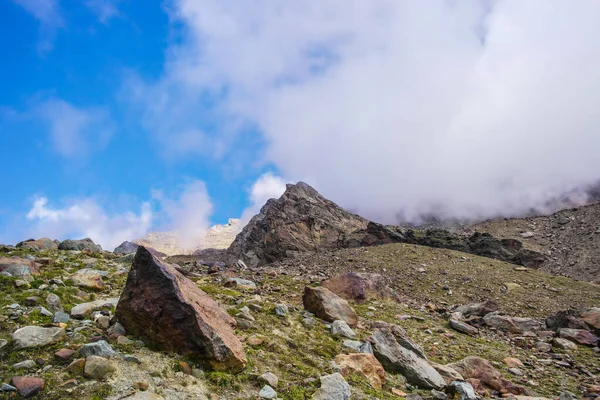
(88, 278)
(166, 309)
(301, 220)
(358, 286)
(131, 247)
(84, 309)
(396, 358)
(478, 309)
(27, 386)
(80, 245)
(512, 324)
(579, 336)
(365, 365)
(592, 318)
(37, 336)
(38, 245)
(479, 371)
(333, 387)
(328, 306)
(18, 267)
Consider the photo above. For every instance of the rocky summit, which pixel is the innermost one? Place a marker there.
(309, 302)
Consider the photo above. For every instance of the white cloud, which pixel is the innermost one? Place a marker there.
(74, 131)
(104, 9)
(470, 108)
(267, 186)
(188, 215)
(86, 218)
(47, 12)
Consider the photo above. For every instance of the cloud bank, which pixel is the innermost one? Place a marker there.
(397, 109)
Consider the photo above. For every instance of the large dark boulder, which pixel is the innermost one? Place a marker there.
(80, 245)
(359, 286)
(565, 319)
(328, 306)
(301, 220)
(131, 248)
(170, 312)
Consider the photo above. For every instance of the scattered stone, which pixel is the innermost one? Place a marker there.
(328, 306)
(464, 390)
(270, 378)
(76, 367)
(139, 385)
(116, 329)
(80, 245)
(396, 358)
(513, 362)
(44, 312)
(98, 368)
(511, 324)
(281, 310)
(543, 346)
(463, 327)
(7, 388)
(527, 235)
(32, 301)
(564, 395)
(132, 359)
(359, 286)
(437, 395)
(240, 283)
(64, 354)
(99, 348)
(88, 278)
(579, 336)
(447, 373)
(60, 318)
(516, 371)
(3, 343)
(333, 387)
(487, 377)
(103, 322)
(478, 309)
(80, 311)
(27, 386)
(267, 392)
(365, 365)
(352, 345)
(255, 340)
(564, 344)
(27, 364)
(69, 383)
(37, 336)
(185, 319)
(341, 328)
(592, 318)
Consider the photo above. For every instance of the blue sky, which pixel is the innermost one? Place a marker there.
(119, 117)
(67, 131)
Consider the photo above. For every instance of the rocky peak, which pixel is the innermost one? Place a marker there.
(300, 220)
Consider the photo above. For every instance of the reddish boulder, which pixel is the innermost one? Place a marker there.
(362, 364)
(592, 318)
(328, 306)
(38, 245)
(579, 336)
(27, 386)
(483, 376)
(358, 286)
(168, 311)
(512, 324)
(19, 267)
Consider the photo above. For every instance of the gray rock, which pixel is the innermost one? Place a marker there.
(270, 378)
(37, 336)
(81, 310)
(61, 317)
(116, 329)
(437, 395)
(80, 245)
(267, 392)
(3, 343)
(463, 327)
(512, 324)
(333, 387)
(281, 310)
(396, 358)
(99, 348)
(44, 312)
(353, 345)
(7, 388)
(366, 348)
(131, 359)
(564, 395)
(27, 364)
(341, 328)
(98, 368)
(54, 303)
(241, 283)
(464, 390)
(564, 344)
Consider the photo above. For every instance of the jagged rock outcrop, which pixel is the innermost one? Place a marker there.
(130, 248)
(86, 244)
(39, 244)
(301, 220)
(167, 310)
(482, 244)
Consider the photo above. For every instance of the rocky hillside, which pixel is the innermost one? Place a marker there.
(570, 239)
(301, 220)
(387, 322)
